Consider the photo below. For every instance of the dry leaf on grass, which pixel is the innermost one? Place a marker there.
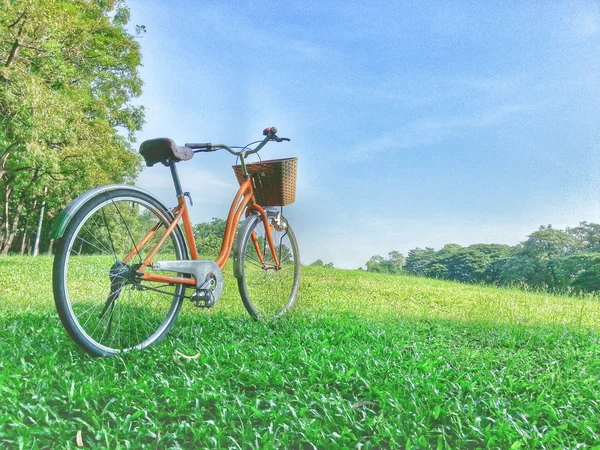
(177, 355)
(79, 439)
(365, 403)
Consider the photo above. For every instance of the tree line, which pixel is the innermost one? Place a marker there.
(552, 259)
(68, 74)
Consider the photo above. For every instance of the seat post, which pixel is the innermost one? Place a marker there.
(175, 176)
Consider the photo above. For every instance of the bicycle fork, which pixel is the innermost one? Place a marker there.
(278, 225)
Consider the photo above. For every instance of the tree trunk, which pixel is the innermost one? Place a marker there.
(36, 245)
(3, 164)
(24, 240)
(5, 225)
(50, 246)
(26, 232)
(13, 229)
(16, 45)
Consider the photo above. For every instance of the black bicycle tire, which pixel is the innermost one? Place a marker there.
(245, 232)
(58, 273)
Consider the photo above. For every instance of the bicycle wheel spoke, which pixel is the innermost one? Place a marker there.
(115, 334)
(100, 246)
(127, 228)
(110, 317)
(101, 233)
(254, 261)
(109, 233)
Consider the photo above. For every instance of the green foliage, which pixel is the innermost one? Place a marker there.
(374, 262)
(549, 259)
(284, 253)
(393, 264)
(521, 270)
(548, 243)
(588, 280)
(68, 73)
(418, 260)
(588, 236)
(320, 263)
(209, 236)
(567, 269)
(473, 264)
(365, 360)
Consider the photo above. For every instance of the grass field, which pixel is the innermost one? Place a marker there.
(363, 361)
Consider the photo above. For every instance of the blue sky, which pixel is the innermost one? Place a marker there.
(415, 123)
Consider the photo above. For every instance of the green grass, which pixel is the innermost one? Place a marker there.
(363, 361)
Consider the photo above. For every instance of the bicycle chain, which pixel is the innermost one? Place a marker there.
(148, 288)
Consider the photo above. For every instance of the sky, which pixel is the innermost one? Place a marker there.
(416, 124)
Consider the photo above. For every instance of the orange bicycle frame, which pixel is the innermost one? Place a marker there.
(243, 201)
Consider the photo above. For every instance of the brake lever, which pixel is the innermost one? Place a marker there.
(278, 139)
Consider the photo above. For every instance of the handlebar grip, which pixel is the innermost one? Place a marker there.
(270, 130)
(205, 147)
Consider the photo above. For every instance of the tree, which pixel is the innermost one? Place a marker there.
(589, 280)
(320, 263)
(588, 236)
(537, 261)
(418, 260)
(523, 270)
(392, 265)
(396, 261)
(569, 269)
(373, 264)
(475, 263)
(466, 265)
(68, 74)
(209, 236)
(547, 243)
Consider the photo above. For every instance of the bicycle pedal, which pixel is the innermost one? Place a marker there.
(203, 298)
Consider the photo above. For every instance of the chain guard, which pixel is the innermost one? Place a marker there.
(207, 273)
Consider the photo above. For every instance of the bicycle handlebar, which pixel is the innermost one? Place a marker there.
(269, 133)
(206, 147)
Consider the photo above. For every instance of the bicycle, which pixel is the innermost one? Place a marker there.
(114, 240)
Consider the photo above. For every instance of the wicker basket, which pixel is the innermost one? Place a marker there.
(274, 180)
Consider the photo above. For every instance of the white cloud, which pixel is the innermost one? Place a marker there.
(233, 27)
(436, 129)
(583, 21)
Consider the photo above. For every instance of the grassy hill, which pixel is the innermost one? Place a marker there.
(364, 361)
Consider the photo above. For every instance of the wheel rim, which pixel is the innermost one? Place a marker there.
(110, 309)
(271, 291)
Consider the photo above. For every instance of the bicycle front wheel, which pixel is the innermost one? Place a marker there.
(102, 302)
(268, 291)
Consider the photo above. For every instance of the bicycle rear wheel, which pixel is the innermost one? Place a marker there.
(268, 291)
(99, 297)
